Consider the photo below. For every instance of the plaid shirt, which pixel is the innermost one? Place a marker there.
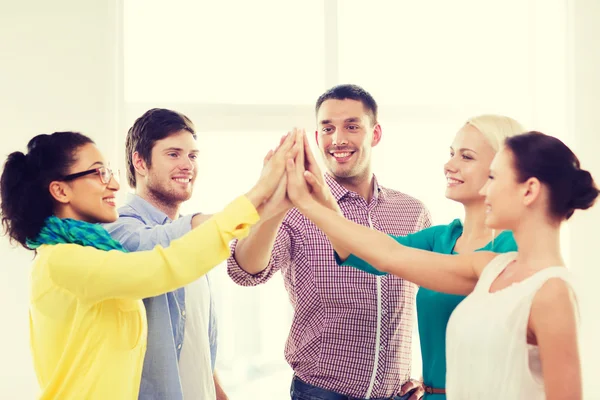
(351, 331)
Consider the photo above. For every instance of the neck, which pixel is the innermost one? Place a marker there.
(67, 212)
(168, 207)
(474, 228)
(363, 185)
(539, 243)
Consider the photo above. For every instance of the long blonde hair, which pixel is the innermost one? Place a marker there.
(496, 128)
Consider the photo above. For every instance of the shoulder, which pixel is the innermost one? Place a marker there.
(400, 198)
(555, 293)
(554, 306)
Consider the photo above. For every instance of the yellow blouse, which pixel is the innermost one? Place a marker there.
(87, 320)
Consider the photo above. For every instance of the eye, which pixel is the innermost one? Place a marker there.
(466, 157)
(353, 127)
(451, 154)
(172, 154)
(490, 177)
(194, 156)
(327, 129)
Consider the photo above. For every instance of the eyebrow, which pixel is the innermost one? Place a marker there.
(100, 163)
(180, 149)
(353, 119)
(462, 150)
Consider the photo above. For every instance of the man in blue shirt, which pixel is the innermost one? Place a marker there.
(182, 335)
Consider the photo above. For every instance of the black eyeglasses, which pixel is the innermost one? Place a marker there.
(104, 173)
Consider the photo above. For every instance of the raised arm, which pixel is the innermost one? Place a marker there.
(135, 235)
(94, 275)
(252, 254)
(451, 274)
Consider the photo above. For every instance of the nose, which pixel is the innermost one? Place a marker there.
(339, 138)
(483, 190)
(187, 164)
(450, 166)
(114, 184)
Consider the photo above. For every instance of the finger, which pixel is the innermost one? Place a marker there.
(315, 185)
(267, 157)
(297, 151)
(417, 395)
(310, 158)
(300, 143)
(290, 169)
(287, 144)
(407, 387)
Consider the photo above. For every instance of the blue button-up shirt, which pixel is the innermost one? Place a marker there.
(141, 226)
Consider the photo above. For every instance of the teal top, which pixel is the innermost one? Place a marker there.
(434, 308)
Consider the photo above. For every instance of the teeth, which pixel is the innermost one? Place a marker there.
(452, 180)
(110, 201)
(181, 180)
(341, 155)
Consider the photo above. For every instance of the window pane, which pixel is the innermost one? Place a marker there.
(465, 52)
(230, 51)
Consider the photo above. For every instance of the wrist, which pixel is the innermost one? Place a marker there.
(308, 206)
(256, 196)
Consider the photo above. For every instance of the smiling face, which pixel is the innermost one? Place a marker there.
(467, 170)
(171, 175)
(87, 198)
(505, 197)
(345, 137)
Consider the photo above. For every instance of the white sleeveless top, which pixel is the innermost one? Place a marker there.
(487, 353)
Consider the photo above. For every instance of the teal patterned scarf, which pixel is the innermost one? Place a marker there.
(56, 231)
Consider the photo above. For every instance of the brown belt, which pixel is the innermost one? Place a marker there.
(430, 390)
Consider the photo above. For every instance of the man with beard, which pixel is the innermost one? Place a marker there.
(351, 332)
(162, 168)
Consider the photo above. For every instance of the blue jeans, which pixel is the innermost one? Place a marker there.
(303, 391)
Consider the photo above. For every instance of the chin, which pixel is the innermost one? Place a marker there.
(107, 217)
(494, 223)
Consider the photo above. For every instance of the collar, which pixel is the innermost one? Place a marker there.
(146, 210)
(340, 191)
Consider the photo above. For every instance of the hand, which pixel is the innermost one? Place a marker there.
(273, 170)
(415, 385)
(297, 189)
(314, 177)
(278, 204)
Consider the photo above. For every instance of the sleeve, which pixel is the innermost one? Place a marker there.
(282, 254)
(135, 235)
(423, 240)
(424, 219)
(95, 275)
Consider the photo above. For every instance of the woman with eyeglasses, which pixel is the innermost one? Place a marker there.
(87, 319)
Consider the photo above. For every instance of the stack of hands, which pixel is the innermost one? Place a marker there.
(290, 178)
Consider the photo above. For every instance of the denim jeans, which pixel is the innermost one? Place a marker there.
(303, 391)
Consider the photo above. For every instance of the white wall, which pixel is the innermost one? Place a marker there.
(58, 71)
(584, 123)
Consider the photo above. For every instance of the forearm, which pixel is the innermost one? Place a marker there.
(451, 274)
(253, 252)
